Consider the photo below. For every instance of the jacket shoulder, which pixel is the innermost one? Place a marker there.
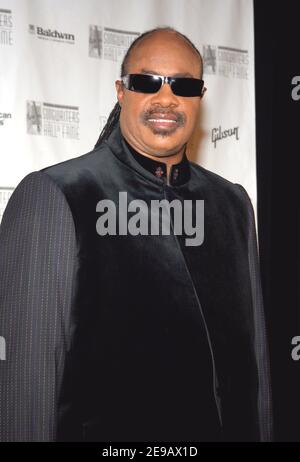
(71, 171)
(216, 184)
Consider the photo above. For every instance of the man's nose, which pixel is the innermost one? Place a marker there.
(165, 96)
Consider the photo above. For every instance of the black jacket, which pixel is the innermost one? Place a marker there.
(129, 338)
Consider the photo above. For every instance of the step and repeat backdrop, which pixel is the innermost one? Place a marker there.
(59, 60)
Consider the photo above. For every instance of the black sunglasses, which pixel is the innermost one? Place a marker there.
(148, 83)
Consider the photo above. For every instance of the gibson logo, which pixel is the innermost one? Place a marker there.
(217, 134)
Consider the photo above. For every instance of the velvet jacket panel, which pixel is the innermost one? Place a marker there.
(156, 340)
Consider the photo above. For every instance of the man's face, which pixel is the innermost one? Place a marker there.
(141, 115)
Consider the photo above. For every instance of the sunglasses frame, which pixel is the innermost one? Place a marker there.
(163, 79)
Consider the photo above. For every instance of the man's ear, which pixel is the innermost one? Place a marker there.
(203, 91)
(120, 91)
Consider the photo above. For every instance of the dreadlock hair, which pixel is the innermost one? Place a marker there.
(114, 116)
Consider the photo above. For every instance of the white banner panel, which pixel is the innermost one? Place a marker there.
(59, 60)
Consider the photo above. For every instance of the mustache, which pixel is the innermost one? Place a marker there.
(147, 114)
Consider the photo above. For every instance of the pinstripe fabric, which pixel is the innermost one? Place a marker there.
(262, 354)
(37, 270)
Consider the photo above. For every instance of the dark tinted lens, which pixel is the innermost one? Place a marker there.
(144, 83)
(185, 86)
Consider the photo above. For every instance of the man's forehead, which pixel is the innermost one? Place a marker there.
(164, 51)
(174, 74)
(169, 66)
(159, 59)
(163, 41)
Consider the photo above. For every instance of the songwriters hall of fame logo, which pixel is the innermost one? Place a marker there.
(6, 27)
(53, 120)
(225, 61)
(110, 44)
(5, 193)
(209, 56)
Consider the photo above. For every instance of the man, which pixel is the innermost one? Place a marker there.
(115, 335)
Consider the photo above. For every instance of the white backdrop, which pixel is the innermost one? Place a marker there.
(59, 60)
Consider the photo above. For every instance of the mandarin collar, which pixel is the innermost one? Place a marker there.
(121, 149)
(179, 173)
